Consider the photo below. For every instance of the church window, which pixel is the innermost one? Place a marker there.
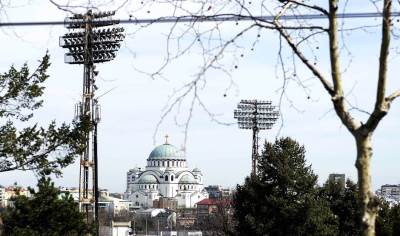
(163, 163)
(137, 196)
(168, 163)
(166, 178)
(158, 163)
(172, 178)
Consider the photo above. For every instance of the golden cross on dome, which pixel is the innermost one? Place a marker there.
(166, 139)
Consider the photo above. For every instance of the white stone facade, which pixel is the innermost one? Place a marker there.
(166, 175)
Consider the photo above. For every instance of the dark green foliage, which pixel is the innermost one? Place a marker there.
(343, 202)
(44, 150)
(283, 199)
(45, 214)
(388, 220)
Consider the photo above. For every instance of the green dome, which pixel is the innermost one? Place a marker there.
(166, 151)
(187, 179)
(148, 179)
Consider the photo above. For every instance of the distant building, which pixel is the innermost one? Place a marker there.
(165, 176)
(390, 192)
(217, 192)
(2, 196)
(166, 203)
(112, 204)
(337, 178)
(73, 192)
(107, 201)
(208, 207)
(7, 194)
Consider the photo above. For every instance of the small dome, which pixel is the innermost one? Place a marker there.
(197, 170)
(187, 179)
(148, 179)
(166, 151)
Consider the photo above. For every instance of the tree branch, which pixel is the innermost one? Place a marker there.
(384, 53)
(314, 7)
(393, 96)
(382, 105)
(327, 85)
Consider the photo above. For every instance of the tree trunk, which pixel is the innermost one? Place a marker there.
(369, 204)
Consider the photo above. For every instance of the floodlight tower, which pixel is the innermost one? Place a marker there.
(91, 40)
(255, 115)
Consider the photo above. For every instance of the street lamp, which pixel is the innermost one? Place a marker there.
(255, 115)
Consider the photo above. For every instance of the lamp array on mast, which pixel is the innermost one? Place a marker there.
(87, 44)
(255, 115)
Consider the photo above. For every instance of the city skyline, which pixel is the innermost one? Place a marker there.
(132, 106)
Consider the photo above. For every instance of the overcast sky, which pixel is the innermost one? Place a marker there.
(133, 107)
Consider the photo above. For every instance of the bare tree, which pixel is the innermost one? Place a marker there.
(298, 33)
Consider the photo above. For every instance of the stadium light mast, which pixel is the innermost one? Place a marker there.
(255, 115)
(91, 40)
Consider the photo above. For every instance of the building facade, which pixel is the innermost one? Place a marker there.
(166, 175)
(391, 192)
(7, 194)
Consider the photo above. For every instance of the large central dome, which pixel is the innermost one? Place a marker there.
(166, 151)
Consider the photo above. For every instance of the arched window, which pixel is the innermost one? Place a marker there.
(167, 163)
(163, 163)
(172, 178)
(166, 178)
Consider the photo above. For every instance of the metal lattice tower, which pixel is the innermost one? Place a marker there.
(255, 115)
(91, 40)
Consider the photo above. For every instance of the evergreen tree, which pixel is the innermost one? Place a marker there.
(388, 220)
(343, 202)
(283, 199)
(45, 214)
(44, 150)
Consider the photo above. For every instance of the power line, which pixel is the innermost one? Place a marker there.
(227, 17)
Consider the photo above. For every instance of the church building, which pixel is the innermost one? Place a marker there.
(166, 176)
